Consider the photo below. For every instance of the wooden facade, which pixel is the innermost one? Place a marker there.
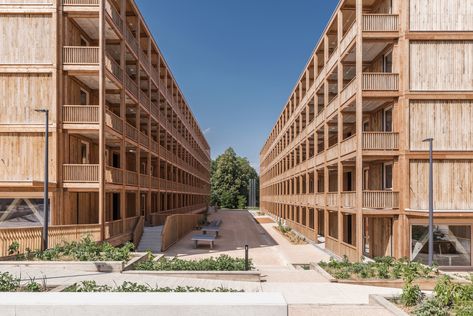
(125, 148)
(345, 163)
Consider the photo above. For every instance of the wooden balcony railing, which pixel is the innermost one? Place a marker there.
(380, 22)
(30, 237)
(348, 199)
(144, 100)
(131, 178)
(80, 114)
(348, 91)
(144, 180)
(81, 173)
(114, 175)
(348, 145)
(113, 67)
(349, 37)
(332, 152)
(154, 110)
(131, 132)
(81, 2)
(131, 40)
(332, 107)
(154, 182)
(113, 121)
(332, 199)
(320, 199)
(332, 60)
(114, 15)
(380, 81)
(80, 55)
(144, 140)
(380, 141)
(153, 146)
(381, 199)
(131, 86)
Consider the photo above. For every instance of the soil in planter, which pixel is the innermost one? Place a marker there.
(292, 237)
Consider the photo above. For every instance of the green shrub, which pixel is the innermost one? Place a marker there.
(411, 294)
(13, 248)
(8, 283)
(92, 286)
(464, 309)
(85, 249)
(221, 263)
(431, 307)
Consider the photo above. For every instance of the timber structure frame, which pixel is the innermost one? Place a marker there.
(345, 164)
(125, 147)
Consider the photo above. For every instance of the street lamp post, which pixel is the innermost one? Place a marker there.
(431, 203)
(44, 235)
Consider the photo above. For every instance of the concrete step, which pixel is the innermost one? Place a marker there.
(151, 239)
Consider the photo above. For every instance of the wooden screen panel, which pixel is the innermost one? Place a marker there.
(453, 185)
(449, 122)
(21, 94)
(26, 1)
(21, 157)
(29, 38)
(441, 66)
(441, 15)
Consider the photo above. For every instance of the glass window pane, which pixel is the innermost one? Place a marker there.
(452, 244)
(21, 212)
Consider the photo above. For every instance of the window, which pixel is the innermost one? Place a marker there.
(388, 62)
(83, 97)
(452, 244)
(387, 176)
(366, 172)
(366, 126)
(388, 119)
(84, 152)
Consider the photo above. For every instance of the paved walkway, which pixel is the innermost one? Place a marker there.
(151, 239)
(306, 291)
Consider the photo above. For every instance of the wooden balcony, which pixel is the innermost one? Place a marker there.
(332, 199)
(114, 122)
(144, 140)
(81, 173)
(348, 199)
(332, 152)
(145, 101)
(114, 15)
(131, 86)
(381, 199)
(132, 133)
(332, 107)
(113, 67)
(385, 141)
(380, 23)
(131, 40)
(348, 38)
(131, 178)
(81, 56)
(144, 180)
(380, 81)
(80, 114)
(348, 91)
(114, 175)
(348, 145)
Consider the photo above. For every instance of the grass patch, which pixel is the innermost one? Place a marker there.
(129, 287)
(85, 249)
(221, 263)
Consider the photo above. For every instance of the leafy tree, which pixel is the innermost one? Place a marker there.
(230, 177)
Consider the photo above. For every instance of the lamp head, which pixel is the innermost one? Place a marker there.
(42, 110)
(428, 140)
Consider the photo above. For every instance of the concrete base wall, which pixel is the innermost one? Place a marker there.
(143, 304)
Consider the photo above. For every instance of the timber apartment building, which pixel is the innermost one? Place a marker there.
(345, 163)
(125, 148)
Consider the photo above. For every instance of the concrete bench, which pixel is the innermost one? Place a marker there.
(215, 229)
(206, 238)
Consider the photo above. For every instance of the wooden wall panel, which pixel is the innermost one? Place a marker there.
(75, 155)
(453, 185)
(80, 208)
(21, 94)
(441, 15)
(29, 38)
(449, 122)
(26, 1)
(441, 66)
(21, 157)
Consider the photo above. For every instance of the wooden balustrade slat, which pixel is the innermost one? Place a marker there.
(80, 55)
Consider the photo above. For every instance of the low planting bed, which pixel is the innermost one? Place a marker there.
(383, 271)
(287, 232)
(84, 255)
(223, 267)
(10, 283)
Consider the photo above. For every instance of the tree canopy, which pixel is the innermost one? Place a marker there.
(230, 177)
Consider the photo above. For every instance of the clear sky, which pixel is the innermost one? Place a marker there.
(237, 61)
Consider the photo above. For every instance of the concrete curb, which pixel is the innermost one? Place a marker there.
(325, 274)
(248, 276)
(382, 301)
(140, 256)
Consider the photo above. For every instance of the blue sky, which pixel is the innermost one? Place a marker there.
(237, 61)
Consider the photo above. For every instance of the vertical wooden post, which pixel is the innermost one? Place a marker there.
(102, 87)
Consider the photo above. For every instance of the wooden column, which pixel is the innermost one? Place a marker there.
(102, 87)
